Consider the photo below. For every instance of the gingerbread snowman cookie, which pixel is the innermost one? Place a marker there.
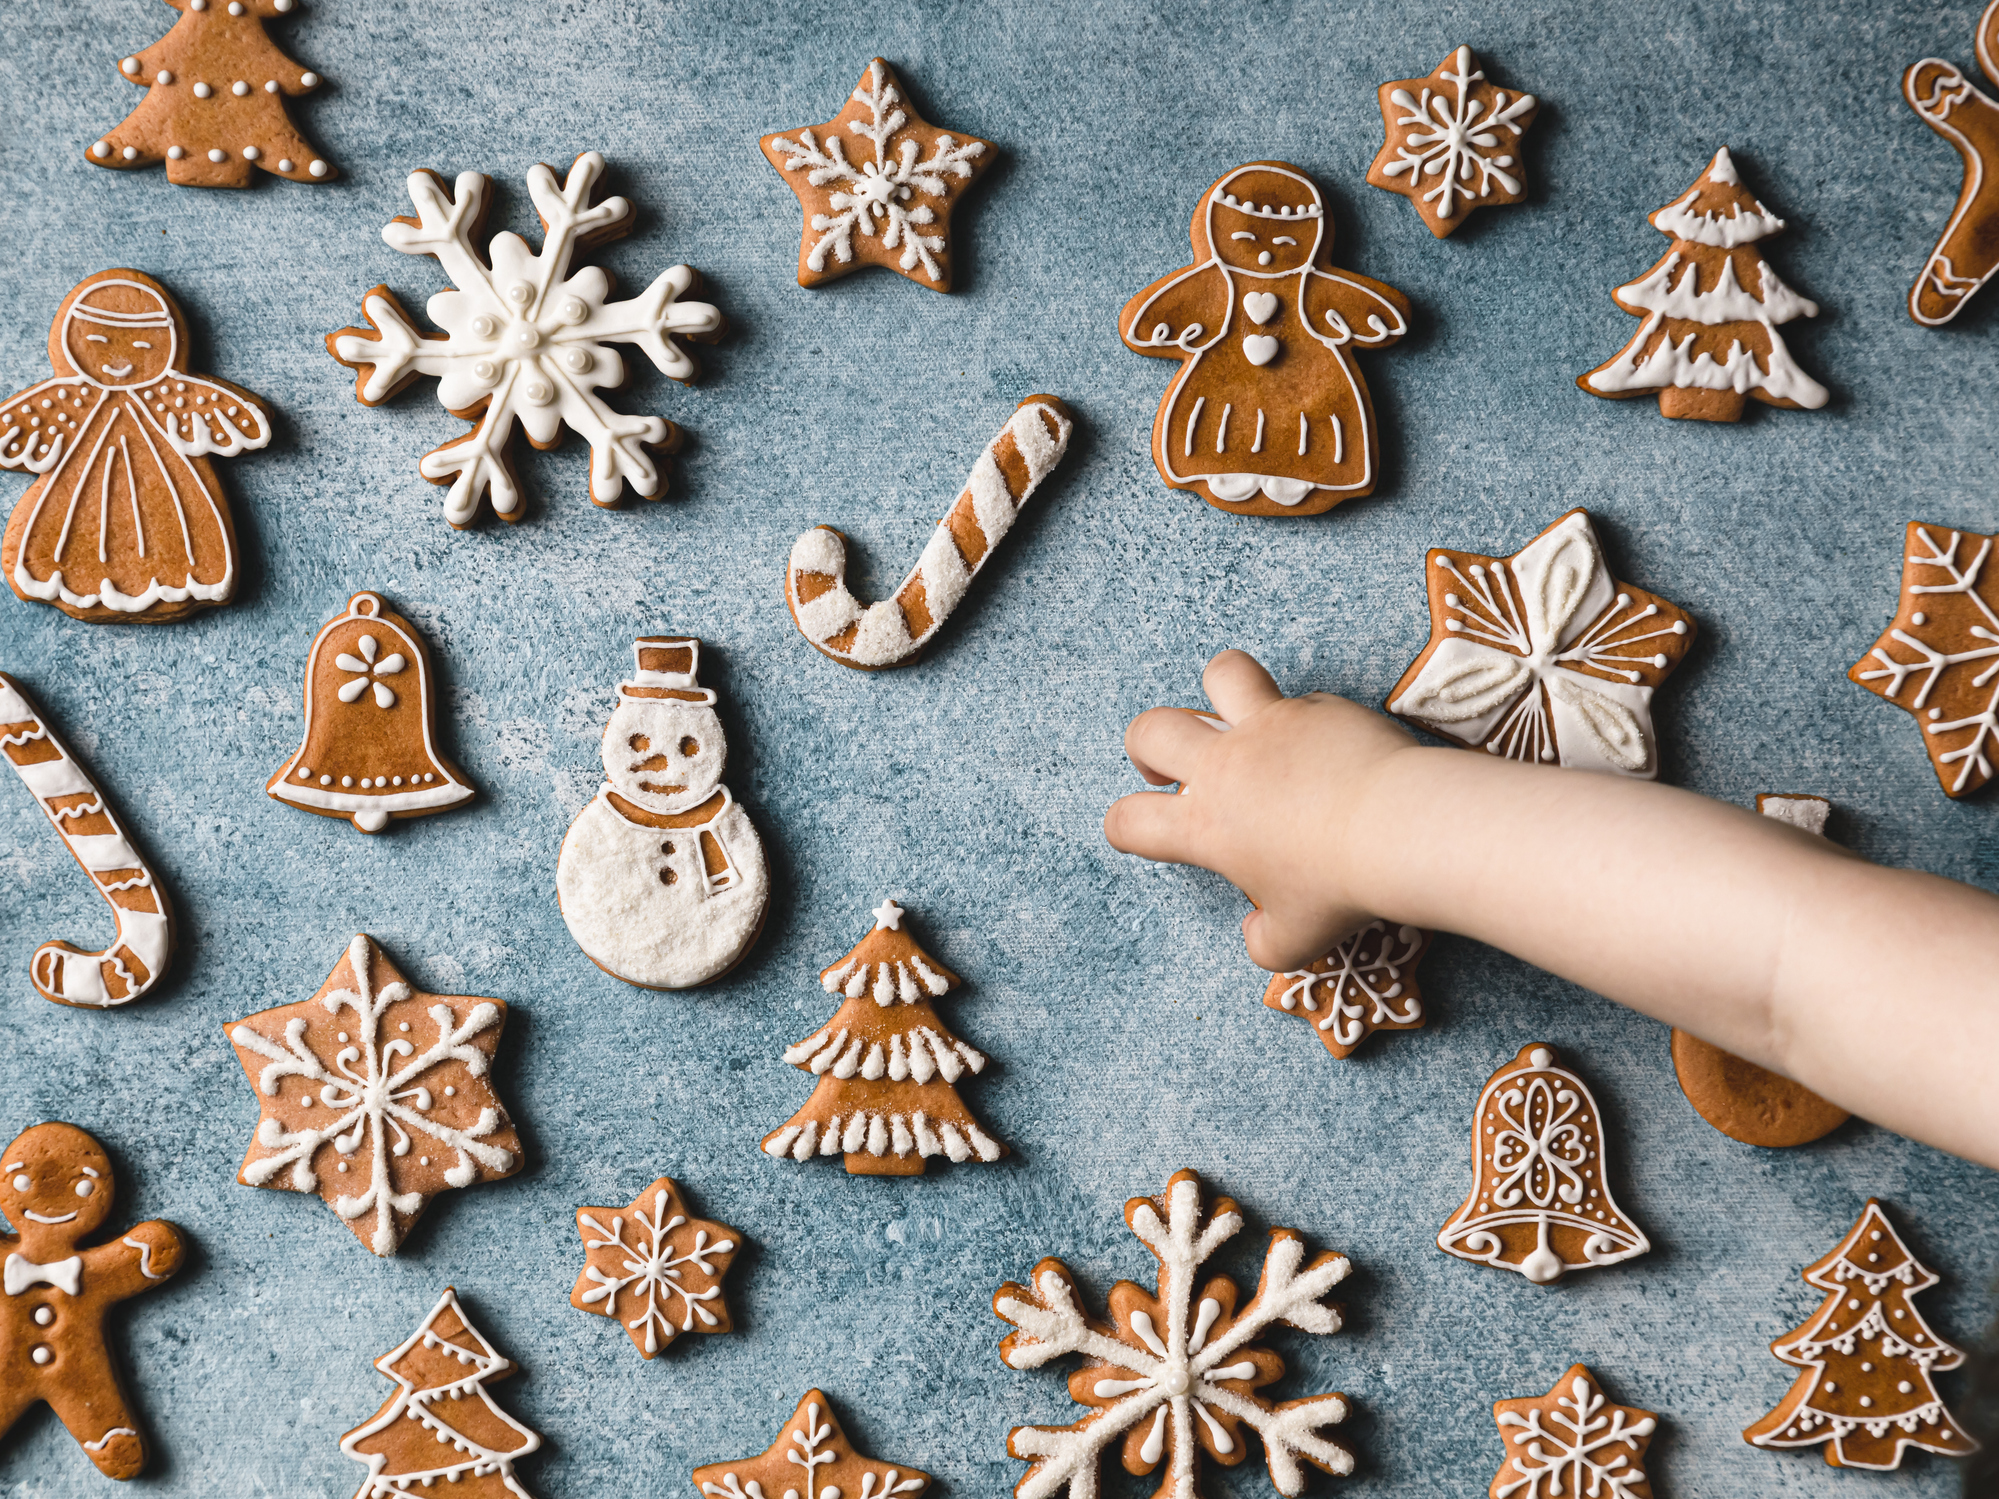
(56, 1188)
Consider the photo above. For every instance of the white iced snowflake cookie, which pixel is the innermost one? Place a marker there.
(1452, 142)
(1572, 1441)
(662, 876)
(655, 1267)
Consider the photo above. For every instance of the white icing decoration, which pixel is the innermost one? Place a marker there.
(1450, 140)
(145, 1256)
(20, 1272)
(804, 1452)
(1807, 813)
(1376, 980)
(104, 1441)
(1723, 232)
(507, 327)
(1576, 1450)
(651, 1264)
(1724, 302)
(1260, 306)
(1948, 93)
(1259, 349)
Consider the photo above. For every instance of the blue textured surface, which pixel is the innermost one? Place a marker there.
(1114, 997)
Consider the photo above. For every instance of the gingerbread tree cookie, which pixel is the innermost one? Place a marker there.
(1179, 1374)
(877, 183)
(1365, 984)
(1867, 1357)
(441, 1423)
(214, 109)
(1572, 1441)
(1967, 252)
(811, 1440)
(376, 1096)
(1451, 142)
(886, 1065)
(57, 1188)
(655, 1268)
(1540, 1201)
(1711, 308)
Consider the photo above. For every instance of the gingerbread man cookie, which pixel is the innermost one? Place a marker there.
(1967, 252)
(56, 1187)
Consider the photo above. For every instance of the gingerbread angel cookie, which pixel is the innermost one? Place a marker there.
(125, 519)
(662, 876)
(56, 1188)
(1453, 142)
(1967, 252)
(1268, 415)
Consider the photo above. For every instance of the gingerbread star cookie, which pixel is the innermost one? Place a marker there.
(1967, 252)
(1453, 141)
(1571, 1441)
(811, 1441)
(1365, 984)
(655, 1268)
(877, 183)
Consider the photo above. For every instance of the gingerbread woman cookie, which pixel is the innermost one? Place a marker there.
(56, 1188)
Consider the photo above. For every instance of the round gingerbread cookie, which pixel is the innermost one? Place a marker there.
(1747, 1102)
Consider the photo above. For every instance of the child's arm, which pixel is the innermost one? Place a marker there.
(1877, 988)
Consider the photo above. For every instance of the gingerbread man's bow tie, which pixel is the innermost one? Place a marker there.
(21, 1272)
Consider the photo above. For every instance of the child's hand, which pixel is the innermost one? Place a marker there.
(1262, 803)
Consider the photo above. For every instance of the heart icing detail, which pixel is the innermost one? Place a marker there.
(1261, 306)
(1259, 348)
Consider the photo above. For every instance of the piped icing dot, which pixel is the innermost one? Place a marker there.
(271, 86)
(239, 88)
(202, 91)
(284, 164)
(130, 65)
(101, 150)
(130, 153)
(174, 153)
(251, 153)
(164, 76)
(317, 168)
(308, 80)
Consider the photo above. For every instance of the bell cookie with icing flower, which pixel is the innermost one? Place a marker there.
(370, 752)
(57, 1189)
(662, 877)
(125, 519)
(1268, 414)
(1453, 142)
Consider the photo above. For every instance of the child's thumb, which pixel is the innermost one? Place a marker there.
(1284, 944)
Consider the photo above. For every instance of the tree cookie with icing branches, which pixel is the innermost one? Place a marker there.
(811, 1440)
(1967, 252)
(1572, 1442)
(1543, 656)
(1453, 142)
(56, 1189)
(655, 1267)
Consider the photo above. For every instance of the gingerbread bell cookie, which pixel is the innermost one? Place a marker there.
(1573, 1441)
(877, 183)
(371, 708)
(77, 809)
(811, 1440)
(214, 110)
(895, 631)
(525, 339)
(56, 1189)
(1179, 1374)
(125, 519)
(1269, 414)
(1967, 252)
(1365, 984)
(662, 877)
(1453, 142)
(1711, 308)
(655, 1268)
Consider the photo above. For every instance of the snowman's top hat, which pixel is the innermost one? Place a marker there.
(669, 666)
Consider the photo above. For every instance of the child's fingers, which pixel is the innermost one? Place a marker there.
(1166, 744)
(1281, 946)
(1149, 825)
(1237, 685)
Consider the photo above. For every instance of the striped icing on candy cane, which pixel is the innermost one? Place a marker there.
(891, 633)
(77, 809)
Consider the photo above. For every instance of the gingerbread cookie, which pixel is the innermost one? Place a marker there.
(1967, 252)
(526, 340)
(1572, 1441)
(1268, 415)
(1540, 1200)
(1935, 658)
(56, 1188)
(370, 706)
(214, 109)
(662, 878)
(894, 632)
(1544, 656)
(126, 519)
(811, 1440)
(886, 1065)
(441, 1423)
(1178, 1374)
(76, 808)
(375, 1096)
(665, 1279)
(1867, 1355)
(1365, 984)
(1711, 308)
(1451, 142)
(880, 187)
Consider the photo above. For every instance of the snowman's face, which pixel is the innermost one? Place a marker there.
(665, 756)
(108, 354)
(56, 1185)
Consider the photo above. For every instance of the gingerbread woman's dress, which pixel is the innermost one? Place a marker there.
(1268, 415)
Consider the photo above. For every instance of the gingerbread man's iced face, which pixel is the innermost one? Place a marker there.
(1266, 222)
(55, 1188)
(663, 754)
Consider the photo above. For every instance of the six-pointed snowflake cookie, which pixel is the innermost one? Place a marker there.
(525, 339)
(877, 183)
(1365, 984)
(1572, 1441)
(1939, 656)
(811, 1440)
(1544, 656)
(1453, 142)
(376, 1096)
(654, 1267)
(1178, 1374)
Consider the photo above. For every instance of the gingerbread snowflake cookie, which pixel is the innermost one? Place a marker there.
(1967, 252)
(1178, 1374)
(1453, 142)
(214, 110)
(526, 339)
(811, 1440)
(1573, 1441)
(57, 1188)
(1365, 984)
(1544, 656)
(125, 519)
(877, 183)
(655, 1268)
(376, 1096)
